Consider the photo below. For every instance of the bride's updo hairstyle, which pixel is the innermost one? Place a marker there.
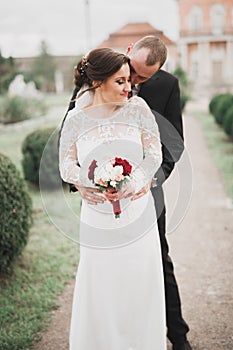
(98, 65)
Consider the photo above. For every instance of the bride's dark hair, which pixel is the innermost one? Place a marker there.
(98, 65)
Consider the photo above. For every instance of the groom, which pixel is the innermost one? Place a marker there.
(161, 92)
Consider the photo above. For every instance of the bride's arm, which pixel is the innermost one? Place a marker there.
(68, 159)
(68, 162)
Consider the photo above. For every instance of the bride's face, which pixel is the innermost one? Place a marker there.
(117, 87)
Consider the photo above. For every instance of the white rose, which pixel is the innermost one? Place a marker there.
(117, 170)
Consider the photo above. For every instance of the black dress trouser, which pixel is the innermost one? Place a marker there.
(176, 326)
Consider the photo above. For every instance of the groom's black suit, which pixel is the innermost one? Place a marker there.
(162, 94)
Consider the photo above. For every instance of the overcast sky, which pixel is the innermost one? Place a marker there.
(63, 23)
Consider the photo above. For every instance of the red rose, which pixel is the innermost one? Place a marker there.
(91, 171)
(125, 164)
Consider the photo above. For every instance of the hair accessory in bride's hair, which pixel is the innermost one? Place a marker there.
(129, 48)
(84, 65)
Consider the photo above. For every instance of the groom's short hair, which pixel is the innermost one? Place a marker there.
(157, 49)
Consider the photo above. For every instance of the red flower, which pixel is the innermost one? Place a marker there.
(92, 167)
(125, 164)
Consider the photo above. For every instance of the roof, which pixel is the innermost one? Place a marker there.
(132, 32)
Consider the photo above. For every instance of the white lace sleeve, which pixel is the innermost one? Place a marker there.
(68, 156)
(152, 149)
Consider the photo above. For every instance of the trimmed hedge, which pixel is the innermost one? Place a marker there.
(33, 149)
(228, 121)
(15, 214)
(224, 103)
(214, 102)
(232, 131)
(221, 107)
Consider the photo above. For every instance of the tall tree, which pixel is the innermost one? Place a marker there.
(7, 72)
(184, 83)
(44, 68)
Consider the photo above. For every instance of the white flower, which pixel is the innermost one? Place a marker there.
(116, 171)
(101, 174)
(109, 173)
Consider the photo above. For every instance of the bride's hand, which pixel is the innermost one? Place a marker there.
(111, 195)
(128, 190)
(142, 192)
(91, 195)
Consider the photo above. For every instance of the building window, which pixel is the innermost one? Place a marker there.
(196, 19)
(217, 72)
(217, 14)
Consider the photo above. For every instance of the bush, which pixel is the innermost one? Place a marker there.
(232, 131)
(214, 102)
(184, 85)
(32, 149)
(184, 99)
(15, 109)
(228, 121)
(225, 102)
(15, 214)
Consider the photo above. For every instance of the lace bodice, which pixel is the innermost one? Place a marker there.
(129, 132)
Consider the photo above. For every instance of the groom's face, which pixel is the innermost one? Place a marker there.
(139, 71)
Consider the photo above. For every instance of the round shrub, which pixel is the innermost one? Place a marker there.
(228, 121)
(232, 131)
(213, 103)
(15, 214)
(223, 105)
(33, 149)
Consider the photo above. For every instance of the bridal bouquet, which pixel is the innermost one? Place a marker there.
(110, 177)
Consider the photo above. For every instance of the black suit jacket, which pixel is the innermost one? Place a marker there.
(162, 94)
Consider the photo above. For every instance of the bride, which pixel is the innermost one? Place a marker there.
(118, 301)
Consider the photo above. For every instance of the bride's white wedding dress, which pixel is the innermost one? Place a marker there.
(118, 301)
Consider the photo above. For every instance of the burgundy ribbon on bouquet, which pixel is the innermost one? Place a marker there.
(116, 208)
(115, 204)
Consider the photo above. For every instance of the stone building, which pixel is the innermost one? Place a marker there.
(206, 43)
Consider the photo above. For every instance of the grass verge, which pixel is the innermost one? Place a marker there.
(30, 294)
(221, 147)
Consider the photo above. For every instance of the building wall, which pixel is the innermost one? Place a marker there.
(206, 43)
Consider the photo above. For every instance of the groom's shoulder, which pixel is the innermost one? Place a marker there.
(164, 75)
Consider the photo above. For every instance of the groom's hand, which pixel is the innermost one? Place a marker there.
(141, 193)
(91, 195)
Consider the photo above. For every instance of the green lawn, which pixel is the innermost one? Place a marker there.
(49, 261)
(221, 147)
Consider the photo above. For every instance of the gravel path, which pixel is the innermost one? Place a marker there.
(201, 249)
